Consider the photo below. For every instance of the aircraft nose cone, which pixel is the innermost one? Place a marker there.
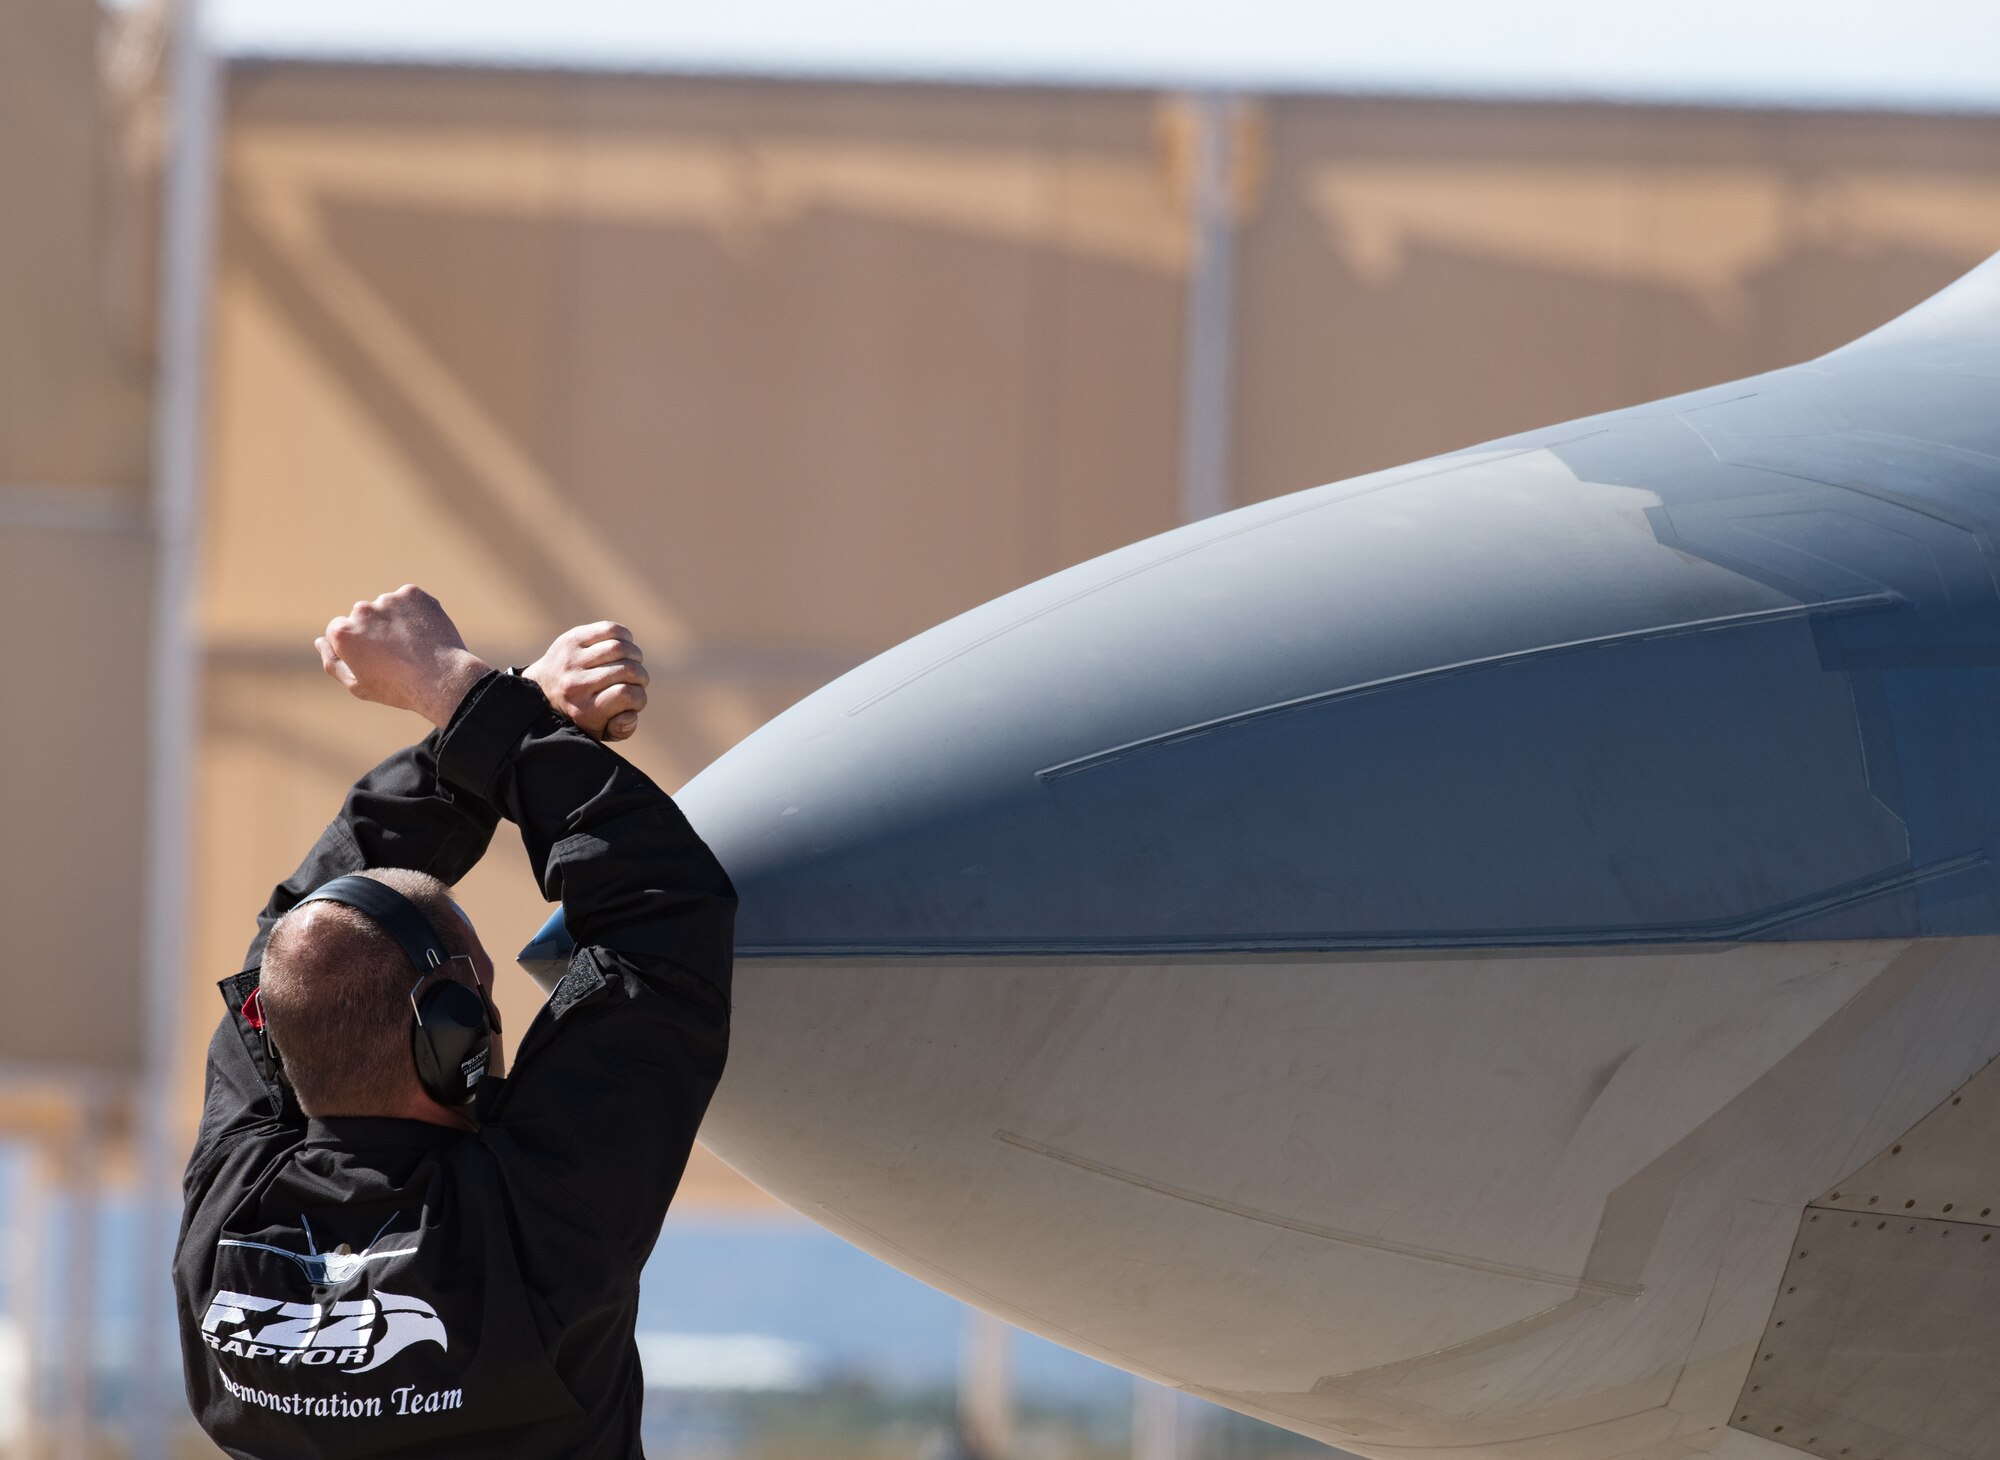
(1261, 956)
(1130, 956)
(1477, 698)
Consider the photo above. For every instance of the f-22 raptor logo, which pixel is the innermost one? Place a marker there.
(355, 1334)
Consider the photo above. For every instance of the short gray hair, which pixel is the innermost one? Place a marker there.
(336, 997)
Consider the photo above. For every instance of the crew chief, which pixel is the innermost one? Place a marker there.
(370, 1262)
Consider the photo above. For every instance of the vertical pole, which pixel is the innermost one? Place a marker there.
(986, 1388)
(1162, 1426)
(27, 1291)
(83, 1170)
(174, 698)
(1208, 353)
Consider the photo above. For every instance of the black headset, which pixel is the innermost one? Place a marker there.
(452, 1035)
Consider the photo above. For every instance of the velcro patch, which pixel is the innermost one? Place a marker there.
(583, 979)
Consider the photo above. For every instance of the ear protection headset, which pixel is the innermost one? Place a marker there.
(452, 1035)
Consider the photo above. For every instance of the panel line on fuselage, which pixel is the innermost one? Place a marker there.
(1856, 603)
(1321, 498)
(1755, 926)
(1578, 1284)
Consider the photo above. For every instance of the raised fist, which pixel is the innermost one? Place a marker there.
(401, 649)
(596, 675)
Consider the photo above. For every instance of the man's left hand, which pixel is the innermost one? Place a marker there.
(596, 675)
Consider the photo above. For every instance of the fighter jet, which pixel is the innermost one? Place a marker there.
(1491, 958)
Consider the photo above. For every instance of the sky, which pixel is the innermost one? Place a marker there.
(847, 1311)
(1933, 54)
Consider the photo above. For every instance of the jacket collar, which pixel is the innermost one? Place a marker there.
(379, 1132)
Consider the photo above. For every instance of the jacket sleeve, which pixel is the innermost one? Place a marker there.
(597, 1118)
(397, 815)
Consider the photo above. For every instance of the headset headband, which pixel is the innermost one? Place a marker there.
(394, 913)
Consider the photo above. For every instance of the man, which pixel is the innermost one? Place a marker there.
(370, 1263)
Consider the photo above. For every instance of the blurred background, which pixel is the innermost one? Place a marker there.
(781, 333)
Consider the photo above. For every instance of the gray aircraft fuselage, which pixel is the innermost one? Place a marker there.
(1410, 959)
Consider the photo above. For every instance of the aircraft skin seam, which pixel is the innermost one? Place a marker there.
(982, 1299)
(1746, 928)
(1446, 466)
(1916, 505)
(1856, 603)
(1313, 1229)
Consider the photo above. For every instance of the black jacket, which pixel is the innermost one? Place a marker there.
(353, 1287)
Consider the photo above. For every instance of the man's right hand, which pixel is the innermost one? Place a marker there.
(596, 675)
(401, 649)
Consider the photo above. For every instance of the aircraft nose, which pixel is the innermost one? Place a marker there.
(1261, 957)
(1474, 700)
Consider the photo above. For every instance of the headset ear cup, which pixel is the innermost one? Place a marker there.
(450, 1042)
(274, 1064)
(425, 1056)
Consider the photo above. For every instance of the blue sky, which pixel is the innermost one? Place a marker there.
(851, 1312)
(1926, 53)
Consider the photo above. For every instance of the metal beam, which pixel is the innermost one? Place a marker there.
(174, 692)
(1208, 338)
(28, 1297)
(73, 509)
(82, 1169)
(986, 1387)
(1164, 1421)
